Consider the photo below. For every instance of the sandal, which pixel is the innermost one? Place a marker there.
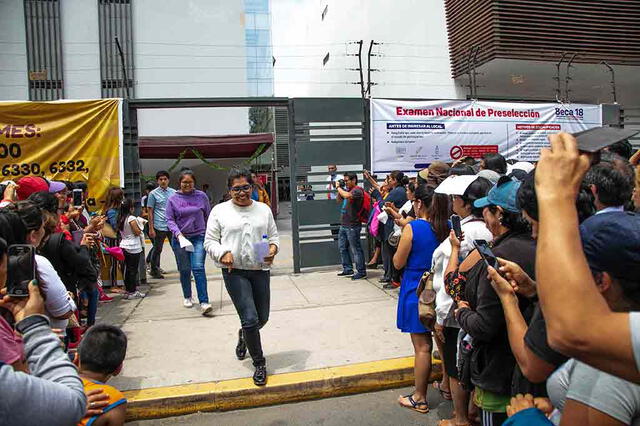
(443, 393)
(451, 422)
(413, 404)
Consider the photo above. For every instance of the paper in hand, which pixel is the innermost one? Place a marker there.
(185, 244)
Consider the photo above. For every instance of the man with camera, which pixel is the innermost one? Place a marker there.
(351, 198)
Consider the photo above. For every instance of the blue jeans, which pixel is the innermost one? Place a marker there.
(350, 248)
(251, 295)
(192, 263)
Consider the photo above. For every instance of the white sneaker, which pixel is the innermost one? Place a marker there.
(135, 295)
(206, 308)
(188, 303)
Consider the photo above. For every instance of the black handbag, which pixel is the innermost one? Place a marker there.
(465, 351)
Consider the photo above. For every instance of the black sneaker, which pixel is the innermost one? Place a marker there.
(345, 274)
(384, 280)
(157, 275)
(359, 276)
(260, 375)
(241, 347)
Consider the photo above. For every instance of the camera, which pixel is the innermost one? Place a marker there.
(341, 183)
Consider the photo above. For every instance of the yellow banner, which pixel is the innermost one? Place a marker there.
(64, 140)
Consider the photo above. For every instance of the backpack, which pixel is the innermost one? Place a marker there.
(374, 224)
(365, 210)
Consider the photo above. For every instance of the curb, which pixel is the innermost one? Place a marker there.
(153, 403)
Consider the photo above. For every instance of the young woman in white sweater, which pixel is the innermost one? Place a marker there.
(242, 239)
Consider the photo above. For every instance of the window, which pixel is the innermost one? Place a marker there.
(324, 12)
(44, 49)
(325, 60)
(115, 20)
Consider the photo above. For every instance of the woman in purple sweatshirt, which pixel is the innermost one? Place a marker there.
(187, 213)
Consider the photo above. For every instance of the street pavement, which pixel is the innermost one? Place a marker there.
(372, 409)
(317, 320)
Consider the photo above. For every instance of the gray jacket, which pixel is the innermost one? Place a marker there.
(52, 395)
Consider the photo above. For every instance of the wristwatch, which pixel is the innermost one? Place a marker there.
(30, 322)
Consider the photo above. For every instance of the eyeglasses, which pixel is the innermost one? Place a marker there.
(244, 188)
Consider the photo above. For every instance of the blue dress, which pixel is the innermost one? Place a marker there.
(423, 244)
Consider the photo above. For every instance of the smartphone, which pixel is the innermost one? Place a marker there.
(486, 253)
(21, 269)
(455, 224)
(78, 198)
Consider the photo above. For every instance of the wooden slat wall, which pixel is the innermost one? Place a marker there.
(542, 30)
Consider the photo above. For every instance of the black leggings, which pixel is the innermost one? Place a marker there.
(131, 271)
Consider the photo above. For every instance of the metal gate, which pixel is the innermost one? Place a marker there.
(322, 131)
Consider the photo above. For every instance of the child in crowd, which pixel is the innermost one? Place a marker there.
(130, 228)
(100, 357)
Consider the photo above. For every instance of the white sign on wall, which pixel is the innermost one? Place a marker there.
(409, 135)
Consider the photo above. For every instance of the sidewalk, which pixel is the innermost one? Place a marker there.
(318, 320)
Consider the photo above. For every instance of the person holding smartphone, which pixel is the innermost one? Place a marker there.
(446, 330)
(479, 311)
(242, 238)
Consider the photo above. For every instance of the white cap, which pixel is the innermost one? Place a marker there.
(520, 165)
(455, 185)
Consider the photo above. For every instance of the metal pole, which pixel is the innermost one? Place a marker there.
(293, 188)
(557, 78)
(360, 68)
(122, 64)
(613, 81)
(474, 74)
(369, 68)
(469, 72)
(568, 77)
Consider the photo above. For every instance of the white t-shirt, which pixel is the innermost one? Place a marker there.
(331, 186)
(474, 229)
(58, 302)
(236, 229)
(130, 241)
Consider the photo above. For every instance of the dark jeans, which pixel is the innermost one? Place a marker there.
(131, 270)
(251, 296)
(351, 249)
(156, 251)
(91, 296)
(387, 260)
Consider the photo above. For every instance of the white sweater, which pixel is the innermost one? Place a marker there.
(473, 230)
(236, 229)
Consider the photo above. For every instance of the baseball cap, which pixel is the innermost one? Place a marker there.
(520, 165)
(55, 186)
(503, 194)
(491, 175)
(30, 184)
(611, 243)
(435, 173)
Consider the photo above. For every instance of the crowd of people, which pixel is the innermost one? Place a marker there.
(55, 360)
(526, 277)
(531, 301)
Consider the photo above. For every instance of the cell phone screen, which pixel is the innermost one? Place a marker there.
(21, 269)
(486, 253)
(77, 198)
(455, 224)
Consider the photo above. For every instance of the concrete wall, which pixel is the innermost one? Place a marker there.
(13, 51)
(182, 49)
(414, 61)
(80, 50)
